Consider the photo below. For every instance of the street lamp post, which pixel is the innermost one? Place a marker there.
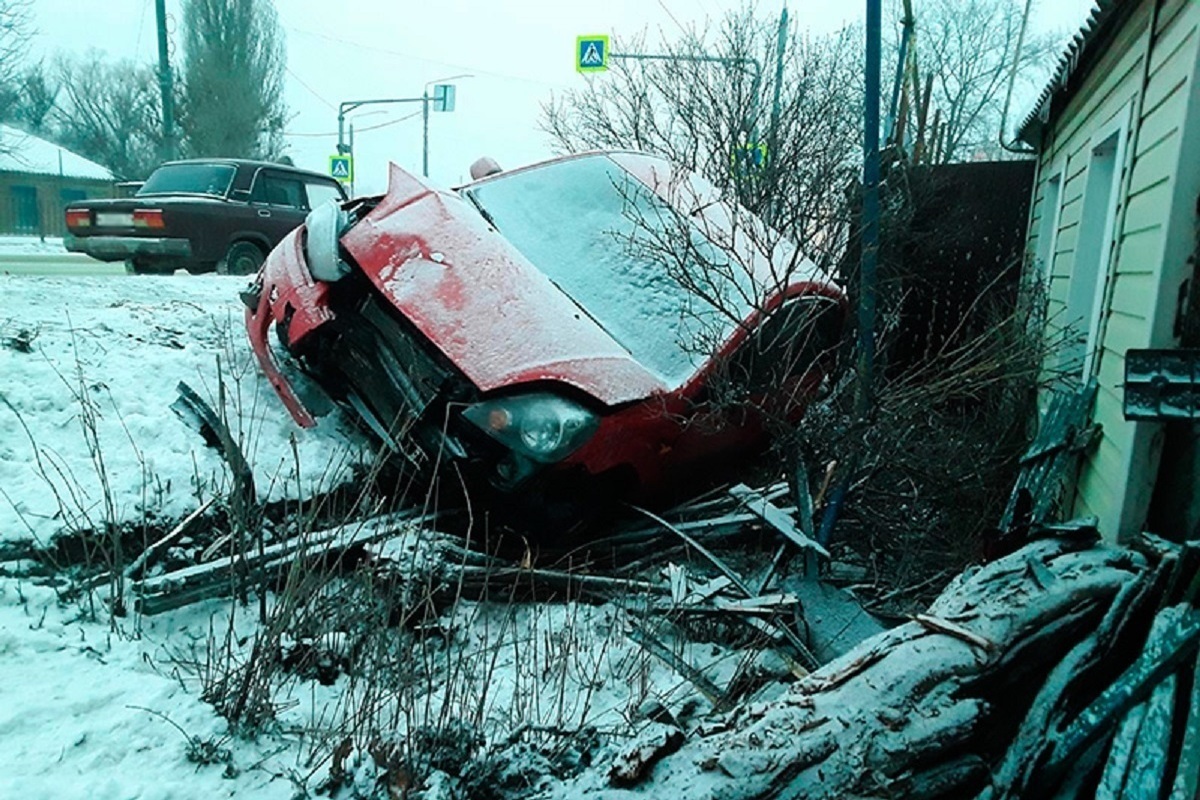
(445, 96)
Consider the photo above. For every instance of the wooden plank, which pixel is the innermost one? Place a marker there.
(1148, 207)
(1168, 13)
(1187, 775)
(1156, 165)
(214, 579)
(776, 518)
(1116, 768)
(1133, 294)
(1156, 126)
(1140, 254)
(1125, 331)
(1170, 80)
(1175, 40)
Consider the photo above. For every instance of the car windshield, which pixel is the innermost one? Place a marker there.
(210, 179)
(598, 233)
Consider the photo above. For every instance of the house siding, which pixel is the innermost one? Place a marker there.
(46, 193)
(1151, 238)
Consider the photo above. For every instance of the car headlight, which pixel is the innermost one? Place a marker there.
(540, 426)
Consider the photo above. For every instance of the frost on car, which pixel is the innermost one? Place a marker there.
(595, 323)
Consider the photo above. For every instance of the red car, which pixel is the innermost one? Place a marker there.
(577, 324)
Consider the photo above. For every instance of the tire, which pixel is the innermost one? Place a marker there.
(242, 258)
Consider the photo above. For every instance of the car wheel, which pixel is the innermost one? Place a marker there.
(242, 258)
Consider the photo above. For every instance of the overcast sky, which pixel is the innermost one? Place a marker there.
(518, 52)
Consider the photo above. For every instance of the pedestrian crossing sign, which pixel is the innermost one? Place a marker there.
(342, 167)
(591, 53)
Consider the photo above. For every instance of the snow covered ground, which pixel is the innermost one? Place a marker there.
(94, 706)
(30, 245)
(89, 368)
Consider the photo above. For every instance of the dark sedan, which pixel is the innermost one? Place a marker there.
(200, 215)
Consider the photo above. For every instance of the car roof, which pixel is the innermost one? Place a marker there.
(247, 163)
(557, 159)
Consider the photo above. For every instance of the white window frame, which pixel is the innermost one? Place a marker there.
(1119, 126)
(1050, 223)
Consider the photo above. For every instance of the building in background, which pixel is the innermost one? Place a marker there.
(38, 178)
(1113, 235)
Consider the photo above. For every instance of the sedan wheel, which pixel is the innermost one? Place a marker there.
(242, 258)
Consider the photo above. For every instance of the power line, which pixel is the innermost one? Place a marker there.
(451, 64)
(311, 90)
(396, 121)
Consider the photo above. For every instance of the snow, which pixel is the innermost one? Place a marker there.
(26, 153)
(84, 713)
(31, 245)
(86, 434)
(101, 706)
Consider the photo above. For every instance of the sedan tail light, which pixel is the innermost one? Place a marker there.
(148, 218)
(79, 218)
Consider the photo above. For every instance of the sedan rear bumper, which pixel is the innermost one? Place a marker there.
(117, 248)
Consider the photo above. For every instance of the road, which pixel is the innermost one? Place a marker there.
(56, 264)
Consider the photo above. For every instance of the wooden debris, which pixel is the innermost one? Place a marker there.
(710, 690)
(777, 518)
(957, 631)
(215, 579)
(183, 527)
(650, 746)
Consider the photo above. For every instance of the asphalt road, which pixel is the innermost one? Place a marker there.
(56, 264)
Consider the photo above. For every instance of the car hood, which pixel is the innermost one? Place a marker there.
(482, 303)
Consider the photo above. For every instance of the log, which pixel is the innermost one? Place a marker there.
(909, 710)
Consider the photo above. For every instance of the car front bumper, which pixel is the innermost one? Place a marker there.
(117, 248)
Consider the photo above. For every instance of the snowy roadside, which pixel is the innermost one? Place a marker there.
(88, 371)
(31, 245)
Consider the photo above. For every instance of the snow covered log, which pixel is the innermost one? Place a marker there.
(928, 709)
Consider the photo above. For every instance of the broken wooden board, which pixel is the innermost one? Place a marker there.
(777, 518)
(217, 578)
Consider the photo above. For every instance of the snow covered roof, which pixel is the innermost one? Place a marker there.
(29, 154)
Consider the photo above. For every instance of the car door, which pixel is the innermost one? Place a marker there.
(279, 202)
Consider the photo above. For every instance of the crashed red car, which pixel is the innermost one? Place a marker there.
(530, 329)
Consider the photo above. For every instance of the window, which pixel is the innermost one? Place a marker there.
(210, 179)
(26, 214)
(1092, 249)
(596, 231)
(277, 190)
(321, 192)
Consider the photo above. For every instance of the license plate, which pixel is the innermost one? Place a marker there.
(114, 219)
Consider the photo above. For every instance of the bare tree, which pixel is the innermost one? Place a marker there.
(705, 102)
(36, 93)
(14, 38)
(234, 62)
(962, 55)
(109, 112)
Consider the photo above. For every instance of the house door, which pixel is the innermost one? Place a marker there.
(27, 217)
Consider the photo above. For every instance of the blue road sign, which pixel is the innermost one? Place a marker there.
(342, 167)
(591, 53)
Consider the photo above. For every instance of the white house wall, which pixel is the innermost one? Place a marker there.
(1153, 232)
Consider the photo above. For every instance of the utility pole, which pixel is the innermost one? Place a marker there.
(864, 393)
(165, 83)
(780, 49)
(425, 131)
